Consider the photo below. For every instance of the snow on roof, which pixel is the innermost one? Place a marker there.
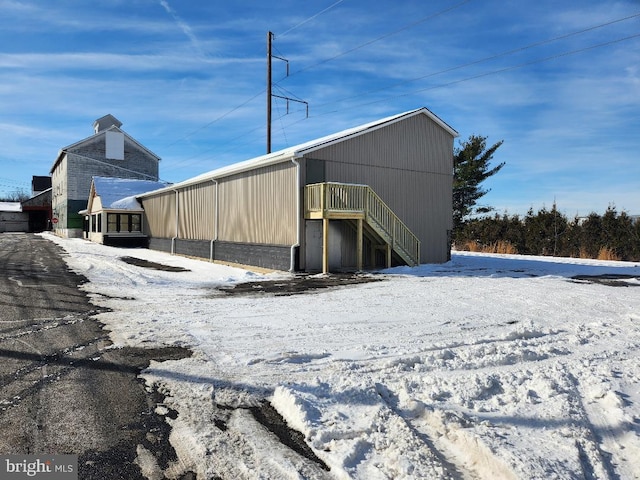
(120, 193)
(10, 207)
(303, 148)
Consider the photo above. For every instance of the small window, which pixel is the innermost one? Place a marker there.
(136, 223)
(112, 222)
(99, 223)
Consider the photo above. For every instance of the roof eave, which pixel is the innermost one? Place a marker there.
(63, 151)
(303, 149)
(368, 128)
(264, 161)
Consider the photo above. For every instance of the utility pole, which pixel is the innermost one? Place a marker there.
(269, 56)
(270, 94)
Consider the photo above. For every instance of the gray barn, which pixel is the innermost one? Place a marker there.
(372, 196)
(110, 152)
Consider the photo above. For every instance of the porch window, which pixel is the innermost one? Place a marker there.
(136, 222)
(113, 225)
(124, 222)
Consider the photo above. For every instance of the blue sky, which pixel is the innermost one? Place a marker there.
(558, 81)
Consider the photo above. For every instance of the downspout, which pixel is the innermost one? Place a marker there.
(173, 240)
(292, 266)
(215, 233)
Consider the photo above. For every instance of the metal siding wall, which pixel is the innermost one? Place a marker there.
(160, 215)
(259, 206)
(410, 165)
(197, 211)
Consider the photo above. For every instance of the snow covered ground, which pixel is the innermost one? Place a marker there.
(487, 367)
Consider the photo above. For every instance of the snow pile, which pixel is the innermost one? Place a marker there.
(489, 366)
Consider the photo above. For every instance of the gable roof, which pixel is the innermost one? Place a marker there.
(95, 136)
(120, 193)
(298, 151)
(368, 127)
(38, 197)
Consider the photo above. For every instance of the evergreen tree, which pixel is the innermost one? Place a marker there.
(635, 241)
(617, 233)
(470, 169)
(549, 232)
(590, 238)
(572, 236)
(544, 232)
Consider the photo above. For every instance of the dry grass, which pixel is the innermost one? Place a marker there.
(607, 253)
(505, 247)
(500, 246)
(472, 246)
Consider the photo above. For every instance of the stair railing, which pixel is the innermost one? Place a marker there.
(342, 198)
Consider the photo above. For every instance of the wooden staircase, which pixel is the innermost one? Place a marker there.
(342, 201)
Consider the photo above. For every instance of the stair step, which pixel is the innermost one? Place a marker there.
(351, 202)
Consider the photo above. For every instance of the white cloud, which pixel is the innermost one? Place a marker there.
(186, 29)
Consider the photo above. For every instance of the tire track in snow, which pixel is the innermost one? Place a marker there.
(514, 348)
(596, 464)
(611, 429)
(461, 453)
(487, 359)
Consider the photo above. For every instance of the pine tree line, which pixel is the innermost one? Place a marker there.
(612, 236)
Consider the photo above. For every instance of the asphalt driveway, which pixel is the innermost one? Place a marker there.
(63, 390)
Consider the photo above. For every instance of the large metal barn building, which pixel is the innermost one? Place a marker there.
(373, 196)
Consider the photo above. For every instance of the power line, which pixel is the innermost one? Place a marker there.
(382, 37)
(217, 119)
(9, 182)
(386, 35)
(486, 59)
(257, 94)
(493, 72)
(218, 145)
(311, 18)
(408, 26)
(454, 82)
(284, 132)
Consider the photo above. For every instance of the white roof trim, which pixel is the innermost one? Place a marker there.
(369, 127)
(298, 151)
